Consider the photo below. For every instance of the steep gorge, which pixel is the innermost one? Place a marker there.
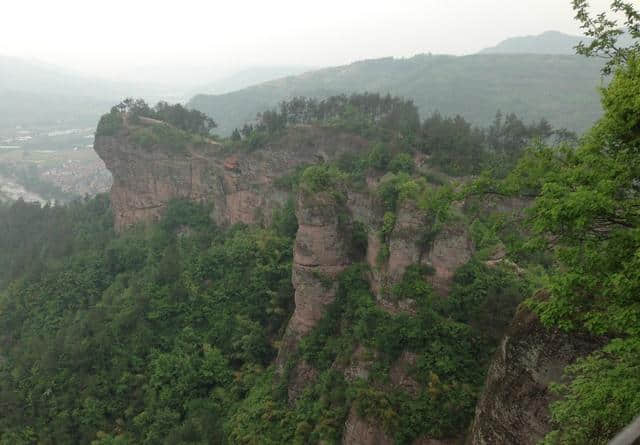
(242, 187)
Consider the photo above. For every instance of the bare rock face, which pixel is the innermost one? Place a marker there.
(400, 373)
(144, 181)
(403, 244)
(514, 406)
(239, 186)
(359, 365)
(452, 248)
(301, 376)
(359, 431)
(321, 252)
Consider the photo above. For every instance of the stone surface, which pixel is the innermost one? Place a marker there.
(240, 187)
(302, 375)
(451, 249)
(400, 373)
(320, 253)
(514, 406)
(360, 364)
(359, 431)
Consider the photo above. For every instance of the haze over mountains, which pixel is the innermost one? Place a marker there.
(550, 42)
(533, 86)
(534, 76)
(34, 93)
(248, 77)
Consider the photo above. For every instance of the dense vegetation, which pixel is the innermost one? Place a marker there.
(151, 337)
(453, 144)
(165, 127)
(589, 204)
(178, 117)
(166, 334)
(586, 213)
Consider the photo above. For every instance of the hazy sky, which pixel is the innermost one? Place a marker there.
(118, 36)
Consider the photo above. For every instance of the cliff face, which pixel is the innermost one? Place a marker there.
(322, 251)
(514, 406)
(144, 181)
(240, 186)
(320, 254)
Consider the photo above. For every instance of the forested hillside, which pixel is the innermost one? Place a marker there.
(168, 333)
(550, 42)
(560, 88)
(340, 270)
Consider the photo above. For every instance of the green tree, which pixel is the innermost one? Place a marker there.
(605, 31)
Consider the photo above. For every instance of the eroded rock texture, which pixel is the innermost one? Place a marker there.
(359, 431)
(320, 253)
(514, 406)
(240, 186)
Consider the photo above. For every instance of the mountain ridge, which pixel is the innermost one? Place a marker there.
(556, 87)
(548, 42)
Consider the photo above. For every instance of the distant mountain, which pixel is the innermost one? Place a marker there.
(561, 88)
(35, 93)
(251, 76)
(550, 42)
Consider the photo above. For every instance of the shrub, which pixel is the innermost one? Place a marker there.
(388, 223)
(319, 178)
(162, 136)
(379, 157)
(109, 124)
(402, 162)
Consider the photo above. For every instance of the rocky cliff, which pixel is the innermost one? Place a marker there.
(240, 186)
(320, 253)
(514, 406)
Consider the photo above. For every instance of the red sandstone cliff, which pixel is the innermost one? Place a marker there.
(240, 186)
(514, 406)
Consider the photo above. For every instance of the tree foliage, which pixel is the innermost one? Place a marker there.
(144, 338)
(190, 121)
(586, 212)
(605, 32)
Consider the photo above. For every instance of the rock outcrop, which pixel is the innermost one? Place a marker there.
(450, 249)
(320, 253)
(361, 432)
(514, 406)
(240, 186)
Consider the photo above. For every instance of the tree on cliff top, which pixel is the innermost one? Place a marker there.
(191, 121)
